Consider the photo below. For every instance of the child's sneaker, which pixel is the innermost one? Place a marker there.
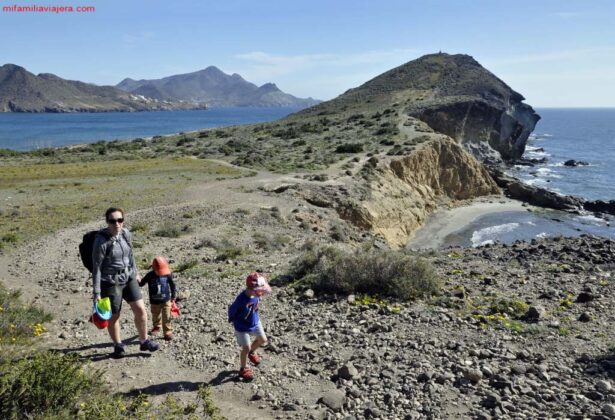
(246, 373)
(155, 331)
(254, 358)
(168, 337)
(149, 345)
(119, 350)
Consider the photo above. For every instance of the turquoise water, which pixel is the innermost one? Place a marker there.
(19, 131)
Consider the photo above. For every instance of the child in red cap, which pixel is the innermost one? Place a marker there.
(243, 313)
(162, 293)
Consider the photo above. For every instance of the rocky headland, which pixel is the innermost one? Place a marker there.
(514, 331)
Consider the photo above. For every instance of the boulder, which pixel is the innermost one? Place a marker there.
(348, 371)
(573, 163)
(334, 399)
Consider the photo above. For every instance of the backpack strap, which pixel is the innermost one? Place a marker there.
(107, 239)
(127, 238)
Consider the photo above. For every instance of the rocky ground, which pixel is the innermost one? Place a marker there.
(519, 331)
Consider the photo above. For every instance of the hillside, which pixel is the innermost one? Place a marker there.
(22, 91)
(216, 88)
(455, 96)
(359, 325)
(383, 165)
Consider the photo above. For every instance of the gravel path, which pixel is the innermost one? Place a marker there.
(548, 354)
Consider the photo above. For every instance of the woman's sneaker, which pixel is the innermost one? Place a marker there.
(119, 350)
(254, 358)
(246, 373)
(149, 345)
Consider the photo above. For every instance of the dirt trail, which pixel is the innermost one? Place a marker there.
(49, 273)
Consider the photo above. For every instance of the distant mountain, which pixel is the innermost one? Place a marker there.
(215, 87)
(22, 91)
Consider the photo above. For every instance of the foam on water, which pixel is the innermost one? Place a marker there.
(489, 234)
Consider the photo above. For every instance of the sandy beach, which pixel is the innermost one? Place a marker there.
(443, 222)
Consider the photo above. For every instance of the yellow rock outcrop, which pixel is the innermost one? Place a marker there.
(406, 189)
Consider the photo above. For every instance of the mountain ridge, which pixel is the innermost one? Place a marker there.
(23, 91)
(217, 88)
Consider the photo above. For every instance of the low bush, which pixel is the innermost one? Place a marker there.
(349, 148)
(186, 265)
(18, 322)
(172, 231)
(268, 242)
(52, 385)
(391, 274)
(47, 383)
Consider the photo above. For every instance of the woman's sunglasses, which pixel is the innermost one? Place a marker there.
(114, 221)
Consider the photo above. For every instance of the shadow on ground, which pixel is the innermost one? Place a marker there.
(183, 386)
(106, 350)
(601, 365)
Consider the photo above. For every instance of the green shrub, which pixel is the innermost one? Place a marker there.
(270, 242)
(168, 231)
(139, 227)
(186, 265)
(9, 238)
(375, 272)
(18, 322)
(51, 385)
(171, 230)
(229, 252)
(349, 148)
(48, 383)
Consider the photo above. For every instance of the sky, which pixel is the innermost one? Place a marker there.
(556, 53)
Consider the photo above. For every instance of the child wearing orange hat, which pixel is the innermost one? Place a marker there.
(162, 293)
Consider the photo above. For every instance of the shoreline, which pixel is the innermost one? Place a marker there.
(445, 221)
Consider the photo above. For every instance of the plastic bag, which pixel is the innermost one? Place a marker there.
(174, 309)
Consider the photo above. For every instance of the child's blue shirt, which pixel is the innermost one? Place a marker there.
(243, 312)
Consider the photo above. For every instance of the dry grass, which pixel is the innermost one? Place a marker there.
(37, 199)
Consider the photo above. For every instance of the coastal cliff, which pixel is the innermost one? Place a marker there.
(455, 96)
(398, 193)
(406, 190)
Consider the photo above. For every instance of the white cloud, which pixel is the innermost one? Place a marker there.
(265, 64)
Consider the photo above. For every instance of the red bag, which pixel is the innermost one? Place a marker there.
(174, 309)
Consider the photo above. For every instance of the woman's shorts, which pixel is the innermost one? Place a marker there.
(244, 339)
(130, 292)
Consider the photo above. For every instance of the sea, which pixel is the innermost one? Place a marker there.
(562, 134)
(24, 131)
(586, 135)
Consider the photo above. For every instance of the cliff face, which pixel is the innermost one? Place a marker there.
(456, 96)
(407, 189)
(505, 127)
(402, 191)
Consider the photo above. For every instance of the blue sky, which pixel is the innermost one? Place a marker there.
(555, 53)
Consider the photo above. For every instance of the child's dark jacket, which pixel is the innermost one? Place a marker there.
(161, 288)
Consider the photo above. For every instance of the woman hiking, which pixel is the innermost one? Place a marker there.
(115, 276)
